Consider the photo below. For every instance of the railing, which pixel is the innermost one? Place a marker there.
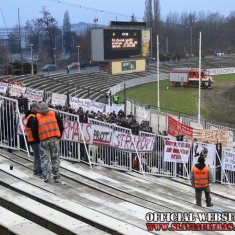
(10, 119)
(158, 120)
(78, 144)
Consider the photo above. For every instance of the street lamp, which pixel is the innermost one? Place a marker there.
(31, 48)
(78, 47)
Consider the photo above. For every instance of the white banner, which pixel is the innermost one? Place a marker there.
(123, 140)
(93, 134)
(72, 132)
(3, 87)
(143, 113)
(176, 151)
(86, 104)
(100, 135)
(16, 90)
(58, 99)
(196, 125)
(34, 94)
(220, 71)
(229, 160)
(114, 107)
(211, 154)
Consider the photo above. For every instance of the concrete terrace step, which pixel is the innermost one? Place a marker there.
(123, 196)
(51, 217)
(58, 218)
(11, 223)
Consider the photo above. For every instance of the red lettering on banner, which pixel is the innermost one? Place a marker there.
(137, 140)
(70, 130)
(176, 150)
(24, 120)
(119, 138)
(93, 134)
(175, 156)
(75, 131)
(127, 141)
(168, 149)
(88, 135)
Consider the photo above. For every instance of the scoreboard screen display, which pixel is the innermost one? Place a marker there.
(121, 43)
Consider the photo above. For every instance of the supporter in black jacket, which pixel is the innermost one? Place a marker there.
(32, 137)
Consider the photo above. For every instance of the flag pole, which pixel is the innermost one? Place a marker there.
(158, 92)
(199, 86)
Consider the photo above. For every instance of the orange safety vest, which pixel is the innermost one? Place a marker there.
(201, 177)
(28, 131)
(47, 125)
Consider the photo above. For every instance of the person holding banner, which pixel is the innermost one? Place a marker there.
(200, 178)
(50, 129)
(32, 137)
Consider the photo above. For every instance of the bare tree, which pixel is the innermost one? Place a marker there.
(4, 54)
(69, 37)
(148, 14)
(49, 26)
(152, 18)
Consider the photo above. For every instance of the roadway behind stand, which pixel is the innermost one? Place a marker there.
(109, 200)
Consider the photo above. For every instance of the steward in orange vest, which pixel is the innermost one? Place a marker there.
(32, 136)
(50, 129)
(48, 126)
(200, 179)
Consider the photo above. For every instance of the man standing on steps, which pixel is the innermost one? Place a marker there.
(50, 129)
(32, 137)
(200, 178)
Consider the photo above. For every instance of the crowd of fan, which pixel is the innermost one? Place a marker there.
(119, 119)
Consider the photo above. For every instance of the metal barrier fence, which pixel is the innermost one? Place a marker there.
(80, 149)
(158, 120)
(109, 156)
(227, 175)
(10, 118)
(153, 163)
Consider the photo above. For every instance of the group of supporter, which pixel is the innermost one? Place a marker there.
(119, 118)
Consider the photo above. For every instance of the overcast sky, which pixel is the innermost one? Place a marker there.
(104, 10)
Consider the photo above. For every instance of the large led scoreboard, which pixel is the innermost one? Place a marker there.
(111, 44)
(119, 44)
(123, 47)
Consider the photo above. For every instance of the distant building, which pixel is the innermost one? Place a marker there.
(4, 36)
